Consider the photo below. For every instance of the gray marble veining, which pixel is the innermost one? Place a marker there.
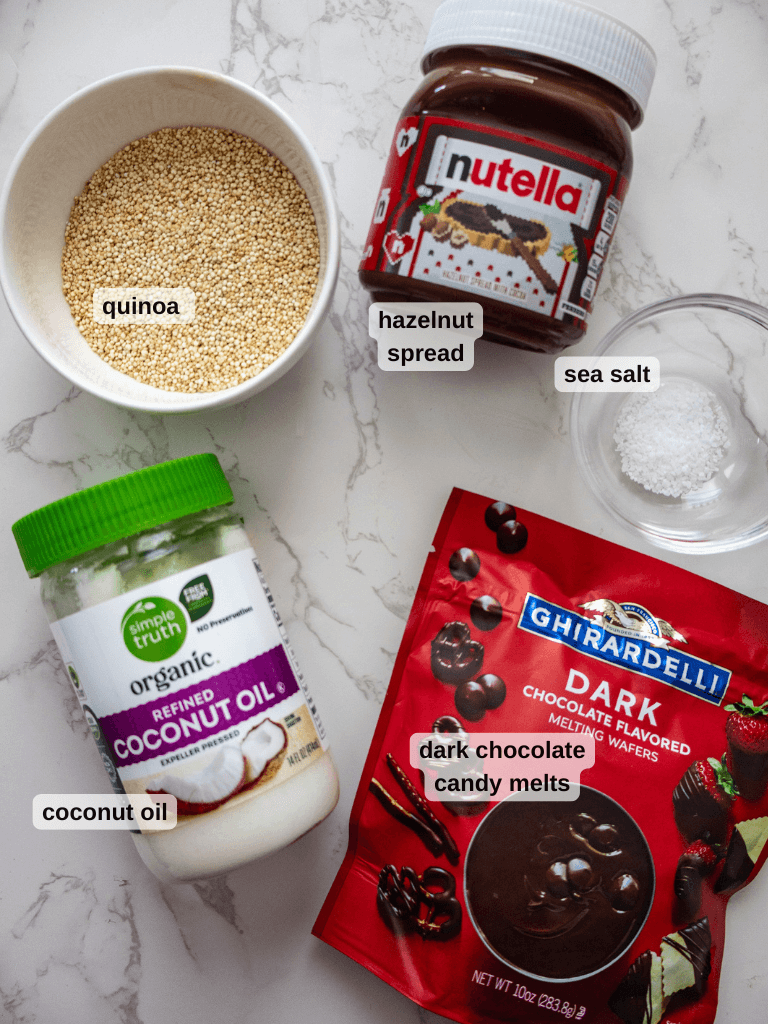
(340, 472)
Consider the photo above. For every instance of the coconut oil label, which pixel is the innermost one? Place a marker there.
(193, 686)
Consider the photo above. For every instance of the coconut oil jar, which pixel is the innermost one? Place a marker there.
(181, 664)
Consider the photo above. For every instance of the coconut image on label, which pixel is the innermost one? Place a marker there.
(208, 788)
(264, 748)
(231, 771)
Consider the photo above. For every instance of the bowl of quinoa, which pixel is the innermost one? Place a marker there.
(169, 178)
(686, 465)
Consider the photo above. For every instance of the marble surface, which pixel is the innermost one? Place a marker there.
(340, 471)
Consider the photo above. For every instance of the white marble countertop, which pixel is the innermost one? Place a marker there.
(341, 472)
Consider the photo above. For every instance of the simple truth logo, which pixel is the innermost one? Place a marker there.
(154, 629)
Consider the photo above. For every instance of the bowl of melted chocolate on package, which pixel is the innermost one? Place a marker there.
(685, 465)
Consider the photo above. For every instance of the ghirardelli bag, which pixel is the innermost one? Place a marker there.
(567, 782)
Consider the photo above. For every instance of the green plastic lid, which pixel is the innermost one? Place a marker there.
(120, 508)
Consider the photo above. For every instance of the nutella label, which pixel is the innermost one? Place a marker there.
(490, 212)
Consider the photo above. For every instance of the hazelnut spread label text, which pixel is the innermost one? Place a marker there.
(426, 335)
(568, 780)
(189, 688)
(488, 212)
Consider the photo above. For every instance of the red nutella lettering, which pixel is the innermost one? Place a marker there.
(505, 169)
(477, 179)
(523, 183)
(539, 183)
(564, 204)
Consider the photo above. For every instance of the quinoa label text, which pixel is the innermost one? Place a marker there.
(166, 306)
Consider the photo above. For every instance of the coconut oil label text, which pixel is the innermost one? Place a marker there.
(199, 712)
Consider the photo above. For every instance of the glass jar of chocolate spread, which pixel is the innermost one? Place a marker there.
(509, 166)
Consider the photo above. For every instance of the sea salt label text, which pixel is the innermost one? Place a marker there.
(607, 373)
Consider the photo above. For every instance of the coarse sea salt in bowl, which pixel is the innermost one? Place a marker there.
(687, 465)
(57, 161)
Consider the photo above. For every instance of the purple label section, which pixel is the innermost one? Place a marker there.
(200, 711)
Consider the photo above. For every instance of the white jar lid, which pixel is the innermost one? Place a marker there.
(562, 29)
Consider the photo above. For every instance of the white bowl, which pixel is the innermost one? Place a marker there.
(64, 151)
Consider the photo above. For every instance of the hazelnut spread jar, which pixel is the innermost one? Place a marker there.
(509, 166)
(181, 665)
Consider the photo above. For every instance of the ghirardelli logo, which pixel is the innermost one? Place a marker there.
(634, 621)
(629, 637)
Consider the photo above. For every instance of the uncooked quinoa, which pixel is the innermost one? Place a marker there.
(206, 209)
(671, 441)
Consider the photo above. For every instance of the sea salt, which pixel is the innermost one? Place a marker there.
(671, 441)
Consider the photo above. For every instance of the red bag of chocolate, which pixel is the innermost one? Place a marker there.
(522, 906)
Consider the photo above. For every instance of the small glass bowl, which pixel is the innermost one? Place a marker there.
(720, 343)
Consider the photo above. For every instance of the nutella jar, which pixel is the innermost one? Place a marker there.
(509, 166)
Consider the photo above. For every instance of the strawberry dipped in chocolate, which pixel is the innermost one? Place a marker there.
(697, 862)
(702, 801)
(747, 758)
